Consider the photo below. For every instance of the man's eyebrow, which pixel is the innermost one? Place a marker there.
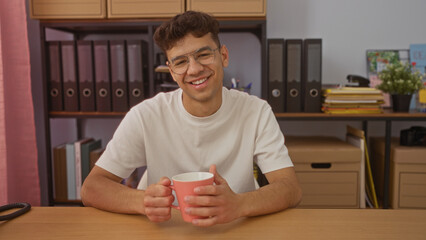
(195, 51)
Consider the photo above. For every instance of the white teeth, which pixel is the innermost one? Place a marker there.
(199, 81)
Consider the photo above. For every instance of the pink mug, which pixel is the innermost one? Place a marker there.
(184, 184)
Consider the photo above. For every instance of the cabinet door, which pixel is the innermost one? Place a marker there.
(229, 8)
(67, 9)
(144, 8)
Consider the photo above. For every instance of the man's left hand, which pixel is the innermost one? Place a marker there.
(218, 203)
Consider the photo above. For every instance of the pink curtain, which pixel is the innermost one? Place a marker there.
(19, 179)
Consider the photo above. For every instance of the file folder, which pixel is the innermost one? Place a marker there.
(137, 63)
(311, 80)
(276, 75)
(120, 102)
(86, 76)
(102, 76)
(69, 76)
(55, 80)
(294, 49)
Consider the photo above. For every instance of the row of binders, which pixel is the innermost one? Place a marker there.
(352, 100)
(72, 163)
(294, 75)
(101, 75)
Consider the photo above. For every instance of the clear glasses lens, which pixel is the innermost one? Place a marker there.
(203, 56)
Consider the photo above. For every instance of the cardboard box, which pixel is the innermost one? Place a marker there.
(407, 186)
(328, 170)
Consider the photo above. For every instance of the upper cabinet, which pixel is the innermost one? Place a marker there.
(229, 8)
(114, 9)
(67, 9)
(144, 8)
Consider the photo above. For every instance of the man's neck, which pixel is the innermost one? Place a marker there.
(201, 109)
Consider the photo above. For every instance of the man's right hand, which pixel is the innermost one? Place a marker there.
(158, 200)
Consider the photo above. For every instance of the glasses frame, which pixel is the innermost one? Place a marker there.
(187, 55)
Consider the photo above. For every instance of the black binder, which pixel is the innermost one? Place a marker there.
(120, 102)
(69, 76)
(55, 82)
(137, 63)
(311, 80)
(294, 48)
(276, 75)
(102, 76)
(86, 76)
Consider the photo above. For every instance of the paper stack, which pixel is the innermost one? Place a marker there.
(348, 100)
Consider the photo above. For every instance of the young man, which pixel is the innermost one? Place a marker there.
(202, 126)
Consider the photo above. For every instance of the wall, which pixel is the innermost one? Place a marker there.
(348, 28)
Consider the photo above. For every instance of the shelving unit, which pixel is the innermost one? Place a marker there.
(81, 29)
(388, 117)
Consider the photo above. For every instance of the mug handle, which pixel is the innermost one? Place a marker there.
(174, 206)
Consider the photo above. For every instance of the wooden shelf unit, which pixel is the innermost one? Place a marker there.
(388, 117)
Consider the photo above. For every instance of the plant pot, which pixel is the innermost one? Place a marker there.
(401, 103)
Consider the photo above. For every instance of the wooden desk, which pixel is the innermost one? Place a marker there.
(89, 223)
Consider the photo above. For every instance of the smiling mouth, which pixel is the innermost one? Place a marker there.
(199, 81)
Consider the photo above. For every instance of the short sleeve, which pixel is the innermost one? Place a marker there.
(270, 151)
(126, 150)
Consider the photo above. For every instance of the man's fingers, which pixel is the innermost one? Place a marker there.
(205, 222)
(165, 181)
(150, 201)
(156, 218)
(203, 201)
(161, 189)
(158, 211)
(218, 179)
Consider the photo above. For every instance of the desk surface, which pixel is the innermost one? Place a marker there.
(90, 223)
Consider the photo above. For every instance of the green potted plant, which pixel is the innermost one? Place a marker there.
(401, 82)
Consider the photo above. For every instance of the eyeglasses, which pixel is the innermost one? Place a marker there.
(203, 56)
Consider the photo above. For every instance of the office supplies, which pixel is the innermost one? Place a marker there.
(311, 77)
(294, 49)
(120, 101)
(352, 100)
(86, 76)
(357, 81)
(54, 78)
(102, 76)
(137, 63)
(276, 74)
(69, 76)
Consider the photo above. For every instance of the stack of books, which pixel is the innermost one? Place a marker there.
(347, 100)
(72, 163)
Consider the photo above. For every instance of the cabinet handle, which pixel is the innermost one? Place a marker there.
(321, 165)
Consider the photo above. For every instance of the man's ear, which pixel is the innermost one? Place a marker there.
(224, 54)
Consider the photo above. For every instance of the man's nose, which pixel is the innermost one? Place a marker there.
(194, 66)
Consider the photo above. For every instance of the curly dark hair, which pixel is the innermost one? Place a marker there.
(195, 23)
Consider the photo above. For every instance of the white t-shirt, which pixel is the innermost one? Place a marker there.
(161, 135)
